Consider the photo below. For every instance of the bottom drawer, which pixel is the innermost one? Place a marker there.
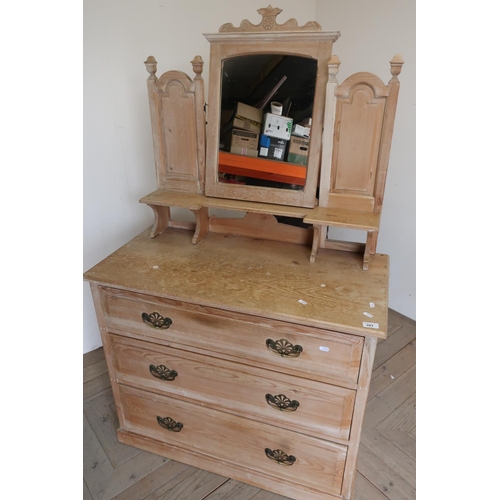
(272, 451)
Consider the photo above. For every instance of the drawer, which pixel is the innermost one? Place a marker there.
(307, 461)
(276, 345)
(302, 405)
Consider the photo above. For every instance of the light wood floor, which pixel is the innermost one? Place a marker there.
(386, 462)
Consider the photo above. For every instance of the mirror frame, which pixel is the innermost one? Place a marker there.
(314, 44)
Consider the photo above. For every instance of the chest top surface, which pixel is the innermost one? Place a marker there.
(252, 276)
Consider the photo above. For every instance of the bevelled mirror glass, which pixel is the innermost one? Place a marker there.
(265, 111)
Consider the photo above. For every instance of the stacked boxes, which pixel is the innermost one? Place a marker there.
(277, 126)
(279, 139)
(272, 148)
(276, 132)
(298, 151)
(247, 118)
(243, 142)
(301, 130)
(243, 137)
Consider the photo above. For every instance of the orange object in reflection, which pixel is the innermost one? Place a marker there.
(260, 168)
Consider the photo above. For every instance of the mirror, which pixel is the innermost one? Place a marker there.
(265, 111)
(266, 114)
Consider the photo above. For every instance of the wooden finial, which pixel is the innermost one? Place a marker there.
(151, 66)
(333, 68)
(396, 66)
(269, 11)
(197, 63)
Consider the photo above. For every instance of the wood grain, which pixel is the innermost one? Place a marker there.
(181, 482)
(265, 278)
(205, 432)
(324, 410)
(227, 364)
(359, 123)
(214, 331)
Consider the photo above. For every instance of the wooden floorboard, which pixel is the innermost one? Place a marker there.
(386, 461)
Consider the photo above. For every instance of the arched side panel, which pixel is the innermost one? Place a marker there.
(178, 139)
(356, 144)
(359, 120)
(174, 120)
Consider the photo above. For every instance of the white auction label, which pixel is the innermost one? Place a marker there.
(370, 325)
(325, 349)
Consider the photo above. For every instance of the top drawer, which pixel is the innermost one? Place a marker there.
(285, 347)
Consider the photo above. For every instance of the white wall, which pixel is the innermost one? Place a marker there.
(118, 156)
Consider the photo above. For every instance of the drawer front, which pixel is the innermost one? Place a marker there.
(318, 464)
(306, 406)
(283, 347)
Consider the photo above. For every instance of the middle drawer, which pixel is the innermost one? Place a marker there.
(302, 405)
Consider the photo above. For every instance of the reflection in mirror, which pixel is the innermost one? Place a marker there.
(266, 116)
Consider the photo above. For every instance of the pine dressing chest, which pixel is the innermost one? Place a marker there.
(244, 346)
(239, 356)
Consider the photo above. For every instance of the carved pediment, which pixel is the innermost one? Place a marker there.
(269, 23)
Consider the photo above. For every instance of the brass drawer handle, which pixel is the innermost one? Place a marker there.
(169, 424)
(284, 348)
(156, 320)
(281, 402)
(280, 457)
(162, 372)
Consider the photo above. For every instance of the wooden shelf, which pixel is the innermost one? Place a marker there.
(350, 219)
(322, 216)
(260, 220)
(167, 198)
(261, 168)
(164, 197)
